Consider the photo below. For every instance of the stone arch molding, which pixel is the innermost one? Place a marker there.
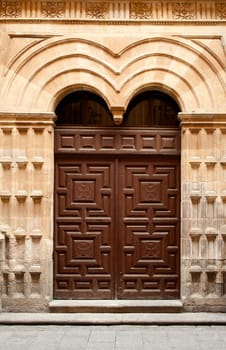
(189, 70)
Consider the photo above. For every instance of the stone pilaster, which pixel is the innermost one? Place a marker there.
(26, 206)
(203, 219)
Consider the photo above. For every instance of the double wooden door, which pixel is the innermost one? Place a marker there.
(116, 224)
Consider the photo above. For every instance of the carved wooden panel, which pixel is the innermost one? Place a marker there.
(84, 212)
(134, 140)
(149, 228)
(117, 213)
(139, 229)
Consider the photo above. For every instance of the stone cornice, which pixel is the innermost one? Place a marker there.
(202, 119)
(8, 118)
(155, 11)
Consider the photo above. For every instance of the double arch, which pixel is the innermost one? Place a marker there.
(49, 69)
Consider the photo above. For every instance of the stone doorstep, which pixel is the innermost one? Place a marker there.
(115, 306)
(98, 319)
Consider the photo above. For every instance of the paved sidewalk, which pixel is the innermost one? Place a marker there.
(121, 337)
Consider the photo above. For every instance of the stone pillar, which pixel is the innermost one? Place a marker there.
(203, 208)
(2, 260)
(26, 206)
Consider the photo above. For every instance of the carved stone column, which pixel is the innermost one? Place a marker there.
(26, 206)
(203, 178)
(2, 258)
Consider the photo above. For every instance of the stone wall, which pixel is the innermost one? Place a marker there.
(115, 49)
(26, 206)
(203, 229)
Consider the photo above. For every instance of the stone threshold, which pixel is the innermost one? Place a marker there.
(96, 319)
(115, 306)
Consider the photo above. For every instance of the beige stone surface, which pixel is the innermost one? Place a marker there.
(203, 211)
(115, 49)
(26, 206)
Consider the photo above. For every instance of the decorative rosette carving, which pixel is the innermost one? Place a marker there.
(53, 9)
(97, 10)
(221, 10)
(139, 10)
(10, 9)
(183, 10)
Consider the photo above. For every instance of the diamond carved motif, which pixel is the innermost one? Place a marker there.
(183, 10)
(150, 191)
(10, 9)
(83, 249)
(84, 191)
(140, 10)
(150, 249)
(53, 8)
(97, 10)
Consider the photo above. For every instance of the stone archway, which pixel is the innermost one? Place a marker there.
(190, 69)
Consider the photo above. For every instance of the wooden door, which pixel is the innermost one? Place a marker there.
(84, 228)
(116, 214)
(148, 228)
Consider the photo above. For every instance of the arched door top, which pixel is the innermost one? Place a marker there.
(83, 108)
(152, 109)
(147, 109)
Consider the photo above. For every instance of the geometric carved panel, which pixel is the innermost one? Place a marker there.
(150, 191)
(149, 250)
(84, 217)
(83, 249)
(84, 191)
(105, 140)
(117, 219)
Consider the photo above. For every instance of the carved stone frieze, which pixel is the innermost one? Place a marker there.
(221, 10)
(97, 10)
(53, 9)
(139, 10)
(77, 10)
(184, 10)
(10, 9)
